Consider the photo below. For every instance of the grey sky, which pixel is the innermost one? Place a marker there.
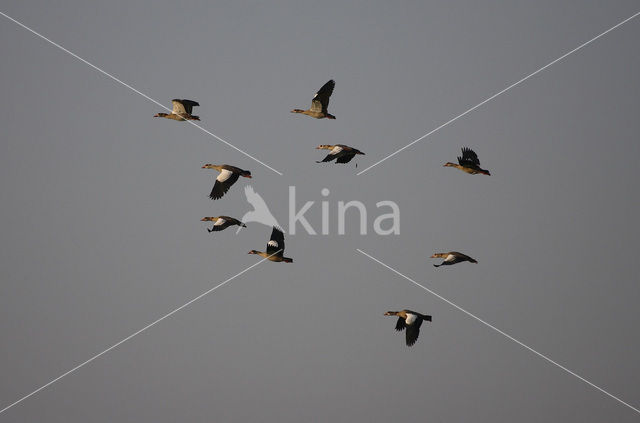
(101, 206)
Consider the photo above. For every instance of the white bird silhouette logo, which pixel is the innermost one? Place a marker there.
(260, 212)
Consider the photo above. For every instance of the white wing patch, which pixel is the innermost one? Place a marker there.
(224, 175)
(450, 257)
(178, 108)
(220, 222)
(410, 318)
(335, 150)
(273, 244)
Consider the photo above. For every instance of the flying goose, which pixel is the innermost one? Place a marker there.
(228, 176)
(320, 103)
(340, 152)
(181, 110)
(275, 248)
(222, 222)
(468, 162)
(452, 257)
(410, 320)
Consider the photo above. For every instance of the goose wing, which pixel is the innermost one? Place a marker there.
(413, 324)
(276, 243)
(220, 224)
(328, 158)
(224, 181)
(336, 152)
(462, 257)
(453, 257)
(412, 335)
(320, 101)
(231, 220)
(183, 106)
(468, 158)
(400, 324)
(345, 157)
(178, 107)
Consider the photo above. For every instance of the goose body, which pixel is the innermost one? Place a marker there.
(182, 110)
(222, 222)
(411, 321)
(227, 177)
(468, 163)
(340, 153)
(275, 248)
(320, 103)
(452, 257)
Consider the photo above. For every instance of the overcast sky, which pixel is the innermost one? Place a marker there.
(101, 208)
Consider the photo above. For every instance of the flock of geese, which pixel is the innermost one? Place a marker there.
(409, 321)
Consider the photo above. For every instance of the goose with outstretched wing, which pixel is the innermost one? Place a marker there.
(222, 222)
(227, 177)
(411, 321)
(468, 163)
(320, 103)
(339, 152)
(182, 110)
(452, 257)
(275, 248)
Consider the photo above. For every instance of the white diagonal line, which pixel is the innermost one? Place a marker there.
(522, 344)
(135, 91)
(499, 93)
(132, 335)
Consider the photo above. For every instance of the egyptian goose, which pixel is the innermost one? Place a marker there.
(275, 248)
(181, 110)
(228, 176)
(340, 152)
(452, 257)
(468, 162)
(411, 321)
(320, 103)
(222, 222)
